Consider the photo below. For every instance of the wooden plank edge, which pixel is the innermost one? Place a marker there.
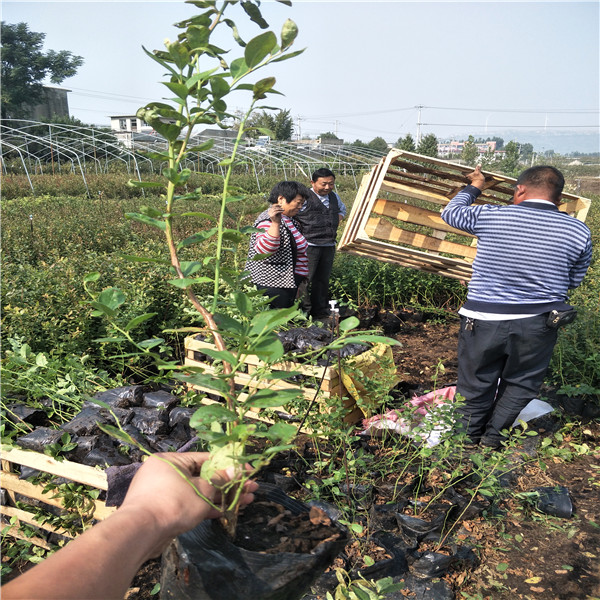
(64, 468)
(26, 517)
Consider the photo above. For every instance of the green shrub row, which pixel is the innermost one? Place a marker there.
(50, 243)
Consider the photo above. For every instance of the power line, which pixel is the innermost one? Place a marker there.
(578, 111)
(523, 126)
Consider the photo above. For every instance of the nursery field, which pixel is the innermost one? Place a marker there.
(492, 541)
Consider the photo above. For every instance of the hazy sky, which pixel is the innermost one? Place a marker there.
(486, 68)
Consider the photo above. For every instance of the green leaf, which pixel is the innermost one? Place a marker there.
(104, 340)
(280, 431)
(268, 348)
(144, 184)
(219, 87)
(198, 37)
(211, 413)
(197, 78)
(242, 302)
(260, 88)
(187, 281)
(151, 343)
(501, 567)
(200, 215)
(228, 323)
(41, 360)
(254, 13)
(197, 238)
(259, 48)
(178, 54)
(221, 458)
(238, 68)
(160, 261)
(179, 89)
(111, 297)
(189, 267)
(265, 398)
(233, 235)
(92, 277)
(235, 32)
(139, 320)
(223, 355)
(155, 589)
(289, 55)
(203, 380)
(116, 433)
(272, 319)
(349, 323)
(147, 220)
(289, 32)
(277, 375)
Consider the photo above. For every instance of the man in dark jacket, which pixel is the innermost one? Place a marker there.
(319, 219)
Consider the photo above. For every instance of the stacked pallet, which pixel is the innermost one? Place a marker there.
(396, 214)
(330, 384)
(20, 490)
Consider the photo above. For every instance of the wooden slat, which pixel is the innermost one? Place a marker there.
(411, 258)
(381, 229)
(11, 481)
(26, 517)
(415, 215)
(251, 382)
(16, 533)
(65, 468)
(436, 181)
(313, 371)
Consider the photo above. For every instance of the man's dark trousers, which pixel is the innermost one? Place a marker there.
(315, 299)
(517, 352)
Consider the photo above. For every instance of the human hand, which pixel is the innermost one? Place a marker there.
(275, 212)
(169, 502)
(476, 178)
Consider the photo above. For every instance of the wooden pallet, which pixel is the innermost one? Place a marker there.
(331, 385)
(14, 486)
(396, 214)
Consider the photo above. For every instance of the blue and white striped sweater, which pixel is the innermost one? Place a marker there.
(528, 255)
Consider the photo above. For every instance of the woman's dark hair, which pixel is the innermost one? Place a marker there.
(289, 190)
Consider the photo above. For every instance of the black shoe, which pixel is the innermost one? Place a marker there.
(491, 443)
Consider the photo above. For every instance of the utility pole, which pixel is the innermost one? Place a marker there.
(420, 106)
(335, 127)
(299, 128)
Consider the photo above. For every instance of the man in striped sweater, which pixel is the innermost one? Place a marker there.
(528, 256)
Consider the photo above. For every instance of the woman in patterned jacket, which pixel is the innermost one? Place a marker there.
(277, 258)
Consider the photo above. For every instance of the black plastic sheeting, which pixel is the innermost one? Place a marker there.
(152, 418)
(204, 564)
(554, 501)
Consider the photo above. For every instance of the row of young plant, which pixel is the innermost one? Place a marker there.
(50, 244)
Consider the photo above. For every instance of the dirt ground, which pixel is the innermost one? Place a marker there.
(522, 553)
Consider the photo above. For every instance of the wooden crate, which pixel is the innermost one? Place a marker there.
(13, 485)
(330, 387)
(396, 214)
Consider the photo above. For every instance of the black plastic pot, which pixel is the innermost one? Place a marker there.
(204, 563)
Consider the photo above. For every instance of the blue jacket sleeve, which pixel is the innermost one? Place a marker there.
(459, 213)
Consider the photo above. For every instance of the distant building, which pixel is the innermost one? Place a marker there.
(129, 124)
(129, 129)
(229, 134)
(454, 147)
